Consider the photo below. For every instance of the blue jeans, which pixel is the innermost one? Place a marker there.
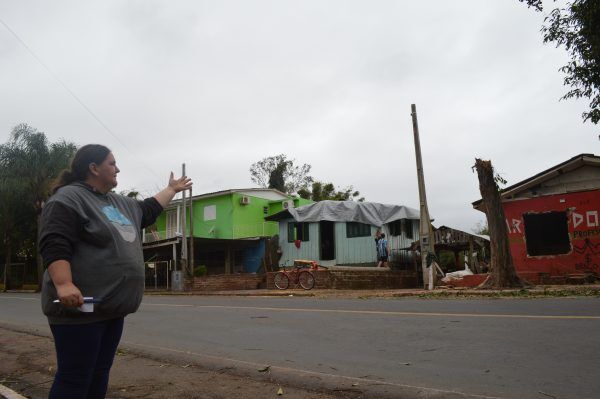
(84, 355)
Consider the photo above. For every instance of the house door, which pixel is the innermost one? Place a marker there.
(327, 238)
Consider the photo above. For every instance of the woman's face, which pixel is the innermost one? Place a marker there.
(107, 171)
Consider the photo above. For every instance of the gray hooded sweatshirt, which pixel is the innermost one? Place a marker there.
(100, 235)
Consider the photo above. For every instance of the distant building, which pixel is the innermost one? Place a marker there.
(336, 233)
(228, 229)
(553, 221)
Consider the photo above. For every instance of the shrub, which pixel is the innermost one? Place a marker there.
(200, 271)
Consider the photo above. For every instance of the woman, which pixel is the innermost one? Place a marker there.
(90, 241)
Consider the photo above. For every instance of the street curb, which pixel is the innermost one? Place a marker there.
(8, 393)
(298, 378)
(462, 293)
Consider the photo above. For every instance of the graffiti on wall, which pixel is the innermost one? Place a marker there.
(582, 211)
(591, 254)
(514, 226)
(590, 217)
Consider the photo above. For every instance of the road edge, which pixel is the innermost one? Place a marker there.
(297, 378)
(7, 393)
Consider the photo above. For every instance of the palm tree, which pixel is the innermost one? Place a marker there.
(15, 219)
(32, 159)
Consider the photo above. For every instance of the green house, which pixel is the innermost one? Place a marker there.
(226, 230)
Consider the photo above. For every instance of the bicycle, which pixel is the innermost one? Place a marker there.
(299, 276)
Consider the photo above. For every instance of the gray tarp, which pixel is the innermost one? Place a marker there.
(348, 211)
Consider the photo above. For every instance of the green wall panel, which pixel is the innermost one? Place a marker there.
(249, 218)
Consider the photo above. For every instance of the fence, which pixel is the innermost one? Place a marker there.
(261, 229)
(158, 275)
(155, 235)
(21, 275)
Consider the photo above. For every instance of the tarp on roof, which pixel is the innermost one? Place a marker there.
(348, 211)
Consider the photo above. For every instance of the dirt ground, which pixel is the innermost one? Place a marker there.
(28, 364)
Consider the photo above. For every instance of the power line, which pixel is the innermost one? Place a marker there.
(63, 84)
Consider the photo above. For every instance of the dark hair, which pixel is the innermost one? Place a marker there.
(382, 235)
(80, 165)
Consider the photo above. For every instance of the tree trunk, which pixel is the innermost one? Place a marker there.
(8, 249)
(502, 269)
(38, 257)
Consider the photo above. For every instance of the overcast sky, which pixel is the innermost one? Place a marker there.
(222, 84)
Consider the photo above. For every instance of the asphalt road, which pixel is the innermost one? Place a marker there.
(511, 348)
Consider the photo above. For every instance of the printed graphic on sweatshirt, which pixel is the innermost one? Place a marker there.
(121, 223)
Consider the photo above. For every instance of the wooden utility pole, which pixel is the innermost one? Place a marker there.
(184, 256)
(191, 260)
(425, 231)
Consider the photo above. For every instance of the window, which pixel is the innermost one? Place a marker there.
(298, 231)
(546, 233)
(396, 228)
(172, 224)
(408, 227)
(402, 227)
(210, 212)
(355, 229)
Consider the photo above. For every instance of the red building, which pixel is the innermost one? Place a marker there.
(553, 221)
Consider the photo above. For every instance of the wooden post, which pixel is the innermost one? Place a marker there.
(7, 267)
(172, 264)
(184, 255)
(425, 231)
(457, 261)
(191, 260)
(228, 267)
(472, 265)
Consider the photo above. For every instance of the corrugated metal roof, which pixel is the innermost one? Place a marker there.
(371, 213)
(230, 191)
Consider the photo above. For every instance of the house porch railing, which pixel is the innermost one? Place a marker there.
(152, 236)
(260, 229)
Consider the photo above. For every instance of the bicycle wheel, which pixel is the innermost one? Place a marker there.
(281, 280)
(306, 280)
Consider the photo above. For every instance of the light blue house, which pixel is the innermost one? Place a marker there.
(341, 233)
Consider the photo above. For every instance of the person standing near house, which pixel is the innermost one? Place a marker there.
(377, 238)
(90, 242)
(382, 251)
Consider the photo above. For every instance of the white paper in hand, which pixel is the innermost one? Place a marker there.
(88, 304)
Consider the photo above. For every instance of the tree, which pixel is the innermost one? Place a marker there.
(327, 191)
(131, 193)
(502, 269)
(280, 173)
(15, 219)
(577, 27)
(277, 177)
(481, 229)
(29, 157)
